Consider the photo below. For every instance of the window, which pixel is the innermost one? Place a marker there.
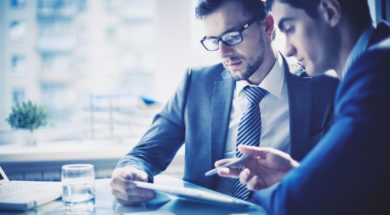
(17, 96)
(18, 63)
(17, 29)
(17, 4)
(96, 65)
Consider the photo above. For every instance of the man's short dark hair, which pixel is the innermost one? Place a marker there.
(252, 8)
(356, 11)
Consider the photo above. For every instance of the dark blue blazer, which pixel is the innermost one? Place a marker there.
(348, 172)
(198, 116)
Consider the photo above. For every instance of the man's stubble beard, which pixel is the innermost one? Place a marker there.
(250, 70)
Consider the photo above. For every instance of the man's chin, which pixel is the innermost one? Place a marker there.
(237, 75)
(317, 72)
(311, 71)
(318, 69)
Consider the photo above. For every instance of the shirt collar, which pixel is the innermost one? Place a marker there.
(358, 49)
(273, 82)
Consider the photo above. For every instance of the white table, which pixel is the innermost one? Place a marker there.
(105, 203)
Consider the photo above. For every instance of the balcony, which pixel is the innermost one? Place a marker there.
(48, 44)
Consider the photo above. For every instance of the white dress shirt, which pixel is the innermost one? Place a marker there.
(274, 110)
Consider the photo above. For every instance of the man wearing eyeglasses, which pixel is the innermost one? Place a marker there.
(252, 98)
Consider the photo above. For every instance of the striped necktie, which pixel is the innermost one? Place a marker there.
(249, 131)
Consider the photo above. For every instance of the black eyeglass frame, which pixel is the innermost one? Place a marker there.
(220, 38)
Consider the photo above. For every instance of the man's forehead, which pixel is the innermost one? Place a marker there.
(222, 20)
(284, 12)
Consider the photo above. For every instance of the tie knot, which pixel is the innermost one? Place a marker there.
(254, 94)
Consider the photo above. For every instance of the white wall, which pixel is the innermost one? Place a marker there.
(2, 64)
(173, 48)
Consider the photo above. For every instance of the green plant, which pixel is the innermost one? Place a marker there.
(27, 115)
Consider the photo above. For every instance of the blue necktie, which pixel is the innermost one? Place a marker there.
(249, 131)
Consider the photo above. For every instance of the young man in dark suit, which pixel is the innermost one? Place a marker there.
(206, 109)
(348, 172)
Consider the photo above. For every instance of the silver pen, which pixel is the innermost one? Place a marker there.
(232, 163)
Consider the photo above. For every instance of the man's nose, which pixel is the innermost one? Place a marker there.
(224, 50)
(290, 49)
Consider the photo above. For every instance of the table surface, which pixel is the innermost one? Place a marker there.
(106, 204)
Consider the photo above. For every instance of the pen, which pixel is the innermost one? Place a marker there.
(214, 171)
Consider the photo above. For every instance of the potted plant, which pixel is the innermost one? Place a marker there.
(25, 117)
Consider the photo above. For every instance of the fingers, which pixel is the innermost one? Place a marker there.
(223, 162)
(231, 171)
(245, 176)
(252, 182)
(228, 172)
(255, 184)
(124, 189)
(121, 184)
(264, 152)
(135, 197)
(134, 174)
(254, 151)
(122, 178)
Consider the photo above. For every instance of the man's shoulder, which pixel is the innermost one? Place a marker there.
(382, 31)
(383, 45)
(377, 55)
(371, 69)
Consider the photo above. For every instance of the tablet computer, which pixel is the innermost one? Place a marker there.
(211, 197)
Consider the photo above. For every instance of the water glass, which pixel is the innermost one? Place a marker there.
(78, 186)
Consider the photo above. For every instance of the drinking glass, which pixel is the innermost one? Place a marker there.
(78, 186)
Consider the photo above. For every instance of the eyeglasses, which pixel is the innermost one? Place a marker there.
(229, 38)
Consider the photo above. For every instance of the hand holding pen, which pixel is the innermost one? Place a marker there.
(265, 167)
(232, 163)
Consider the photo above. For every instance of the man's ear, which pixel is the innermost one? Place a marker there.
(269, 25)
(330, 10)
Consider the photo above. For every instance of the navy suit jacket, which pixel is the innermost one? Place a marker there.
(198, 116)
(348, 172)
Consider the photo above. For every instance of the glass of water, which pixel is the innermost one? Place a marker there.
(78, 186)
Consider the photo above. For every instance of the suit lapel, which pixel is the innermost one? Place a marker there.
(299, 98)
(221, 104)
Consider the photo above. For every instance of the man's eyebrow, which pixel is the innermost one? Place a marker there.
(282, 21)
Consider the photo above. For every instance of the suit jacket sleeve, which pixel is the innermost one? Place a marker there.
(348, 171)
(159, 145)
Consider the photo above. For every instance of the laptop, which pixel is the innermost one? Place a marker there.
(25, 195)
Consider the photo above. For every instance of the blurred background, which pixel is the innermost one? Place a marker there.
(101, 68)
